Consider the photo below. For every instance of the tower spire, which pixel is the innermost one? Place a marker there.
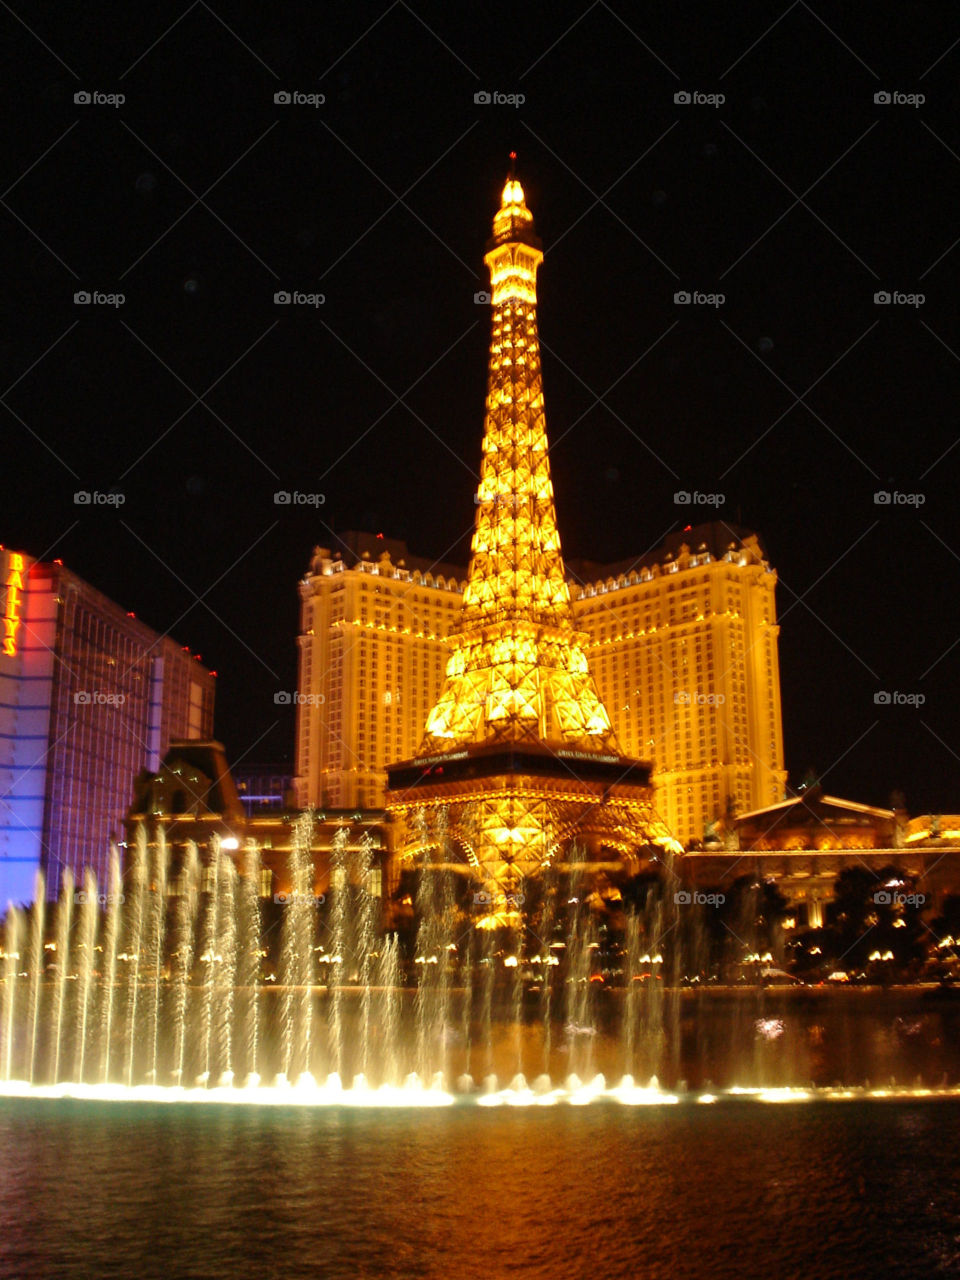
(519, 764)
(518, 671)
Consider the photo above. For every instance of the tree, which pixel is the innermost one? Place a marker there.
(875, 914)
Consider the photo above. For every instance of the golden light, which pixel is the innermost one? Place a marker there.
(517, 671)
(13, 603)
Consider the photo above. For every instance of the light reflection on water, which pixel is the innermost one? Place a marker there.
(736, 1188)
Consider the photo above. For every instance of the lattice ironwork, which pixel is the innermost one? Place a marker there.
(517, 680)
(518, 671)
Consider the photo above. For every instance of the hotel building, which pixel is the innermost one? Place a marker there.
(89, 697)
(372, 659)
(682, 644)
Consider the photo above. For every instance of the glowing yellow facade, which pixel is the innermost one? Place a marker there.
(682, 643)
(670, 657)
(373, 653)
(684, 647)
(519, 752)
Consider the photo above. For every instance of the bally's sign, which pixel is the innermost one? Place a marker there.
(13, 605)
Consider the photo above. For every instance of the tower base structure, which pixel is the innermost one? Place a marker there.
(519, 769)
(512, 810)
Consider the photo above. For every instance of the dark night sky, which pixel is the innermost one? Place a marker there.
(798, 199)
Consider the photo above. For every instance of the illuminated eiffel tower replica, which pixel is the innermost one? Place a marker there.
(519, 754)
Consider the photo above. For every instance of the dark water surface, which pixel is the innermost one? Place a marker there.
(737, 1188)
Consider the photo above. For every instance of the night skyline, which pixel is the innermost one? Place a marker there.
(692, 197)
